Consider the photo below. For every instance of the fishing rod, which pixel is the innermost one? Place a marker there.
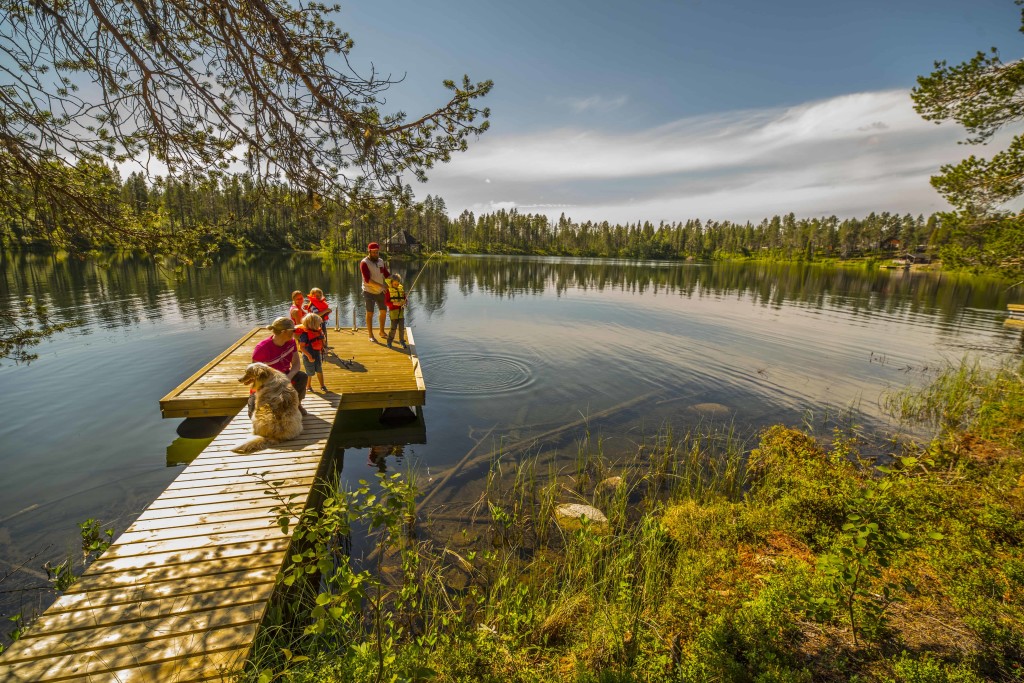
(422, 270)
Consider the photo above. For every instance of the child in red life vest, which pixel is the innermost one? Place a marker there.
(317, 304)
(312, 344)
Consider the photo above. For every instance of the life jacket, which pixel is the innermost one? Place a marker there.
(317, 305)
(316, 337)
(396, 292)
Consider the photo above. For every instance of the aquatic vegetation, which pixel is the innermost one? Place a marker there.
(799, 559)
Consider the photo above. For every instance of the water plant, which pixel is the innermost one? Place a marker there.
(799, 559)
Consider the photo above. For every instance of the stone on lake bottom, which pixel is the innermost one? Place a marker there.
(570, 516)
(710, 408)
(609, 485)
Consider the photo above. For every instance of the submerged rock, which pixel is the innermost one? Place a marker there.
(716, 409)
(609, 485)
(570, 516)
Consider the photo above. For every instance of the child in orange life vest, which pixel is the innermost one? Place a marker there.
(312, 344)
(317, 304)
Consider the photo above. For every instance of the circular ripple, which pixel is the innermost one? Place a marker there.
(476, 374)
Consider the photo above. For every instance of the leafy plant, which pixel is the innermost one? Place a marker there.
(347, 605)
(869, 542)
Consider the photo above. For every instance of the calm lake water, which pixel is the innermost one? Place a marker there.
(510, 347)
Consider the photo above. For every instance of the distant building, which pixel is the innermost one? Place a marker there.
(891, 244)
(402, 242)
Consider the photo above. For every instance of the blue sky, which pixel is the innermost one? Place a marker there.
(660, 110)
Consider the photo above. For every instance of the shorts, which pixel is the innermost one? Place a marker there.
(316, 366)
(372, 299)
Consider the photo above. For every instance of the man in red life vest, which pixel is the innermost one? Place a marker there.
(279, 352)
(374, 271)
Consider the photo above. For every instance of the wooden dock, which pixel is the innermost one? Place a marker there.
(1016, 317)
(375, 377)
(181, 593)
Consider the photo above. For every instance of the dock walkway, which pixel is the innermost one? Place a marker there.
(1016, 315)
(180, 594)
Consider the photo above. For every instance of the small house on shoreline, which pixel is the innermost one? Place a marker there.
(403, 242)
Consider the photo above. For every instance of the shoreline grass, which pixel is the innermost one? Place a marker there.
(792, 561)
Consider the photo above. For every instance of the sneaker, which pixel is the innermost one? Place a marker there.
(373, 339)
(404, 345)
(390, 346)
(323, 388)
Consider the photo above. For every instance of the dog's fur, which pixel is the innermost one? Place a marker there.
(276, 417)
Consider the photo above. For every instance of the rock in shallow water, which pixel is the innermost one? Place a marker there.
(609, 485)
(570, 516)
(716, 409)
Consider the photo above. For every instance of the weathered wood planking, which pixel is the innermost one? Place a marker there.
(1016, 318)
(378, 377)
(181, 593)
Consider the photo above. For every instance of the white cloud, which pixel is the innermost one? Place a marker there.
(594, 103)
(847, 155)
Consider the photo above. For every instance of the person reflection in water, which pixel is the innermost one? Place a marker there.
(378, 456)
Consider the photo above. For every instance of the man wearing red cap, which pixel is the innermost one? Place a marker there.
(374, 271)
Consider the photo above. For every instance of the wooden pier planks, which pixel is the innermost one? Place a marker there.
(1016, 318)
(181, 593)
(378, 377)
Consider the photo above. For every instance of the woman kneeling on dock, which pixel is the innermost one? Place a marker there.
(279, 352)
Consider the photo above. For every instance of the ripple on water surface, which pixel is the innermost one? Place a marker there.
(476, 374)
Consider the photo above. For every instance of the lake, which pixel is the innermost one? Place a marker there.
(510, 347)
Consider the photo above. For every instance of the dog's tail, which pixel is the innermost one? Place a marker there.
(254, 444)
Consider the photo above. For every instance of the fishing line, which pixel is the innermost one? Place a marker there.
(422, 270)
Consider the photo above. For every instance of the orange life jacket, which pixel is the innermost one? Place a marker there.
(317, 305)
(316, 337)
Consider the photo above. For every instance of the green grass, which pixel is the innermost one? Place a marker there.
(796, 560)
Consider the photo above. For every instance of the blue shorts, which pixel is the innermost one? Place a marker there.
(316, 366)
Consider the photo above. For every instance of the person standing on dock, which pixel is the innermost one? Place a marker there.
(394, 297)
(313, 345)
(298, 309)
(374, 271)
(280, 352)
(318, 305)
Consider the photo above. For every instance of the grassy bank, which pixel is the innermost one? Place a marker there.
(794, 561)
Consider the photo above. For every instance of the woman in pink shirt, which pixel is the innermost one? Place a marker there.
(280, 352)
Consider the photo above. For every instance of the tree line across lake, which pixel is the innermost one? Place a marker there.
(236, 211)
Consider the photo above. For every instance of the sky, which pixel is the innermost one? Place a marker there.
(661, 110)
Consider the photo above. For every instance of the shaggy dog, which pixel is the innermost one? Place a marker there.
(276, 417)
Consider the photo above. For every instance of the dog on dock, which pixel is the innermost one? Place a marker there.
(276, 416)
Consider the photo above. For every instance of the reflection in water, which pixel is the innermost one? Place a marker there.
(530, 353)
(116, 291)
(377, 457)
(183, 451)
